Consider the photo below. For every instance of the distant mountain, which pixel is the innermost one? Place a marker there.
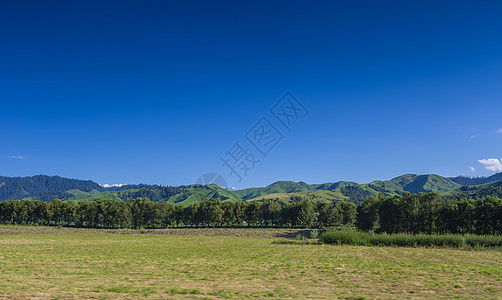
(119, 187)
(43, 187)
(47, 188)
(275, 188)
(333, 186)
(350, 191)
(184, 194)
(425, 183)
(414, 184)
(493, 189)
(469, 181)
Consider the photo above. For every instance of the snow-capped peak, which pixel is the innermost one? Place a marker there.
(113, 185)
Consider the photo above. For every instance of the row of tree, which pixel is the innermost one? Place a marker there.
(143, 213)
(429, 213)
(408, 213)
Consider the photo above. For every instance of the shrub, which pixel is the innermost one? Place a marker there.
(404, 240)
(383, 239)
(358, 238)
(346, 237)
(453, 240)
(450, 240)
(483, 240)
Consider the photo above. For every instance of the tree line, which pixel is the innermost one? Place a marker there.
(143, 213)
(407, 213)
(429, 213)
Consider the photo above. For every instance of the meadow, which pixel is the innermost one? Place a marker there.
(67, 263)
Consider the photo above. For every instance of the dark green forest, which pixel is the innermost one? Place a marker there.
(409, 213)
(431, 214)
(143, 213)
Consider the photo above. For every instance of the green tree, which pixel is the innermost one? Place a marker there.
(253, 217)
(367, 214)
(429, 211)
(347, 212)
(270, 212)
(327, 214)
(306, 213)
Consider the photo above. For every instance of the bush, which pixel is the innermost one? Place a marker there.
(450, 240)
(357, 238)
(404, 240)
(340, 237)
(314, 234)
(483, 240)
(383, 239)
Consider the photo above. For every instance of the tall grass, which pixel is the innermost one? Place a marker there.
(345, 237)
(483, 240)
(358, 238)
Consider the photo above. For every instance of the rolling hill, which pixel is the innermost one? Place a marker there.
(470, 181)
(350, 191)
(46, 188)
(185, 194)
(425, 183)
(279, 187)
(493, 189)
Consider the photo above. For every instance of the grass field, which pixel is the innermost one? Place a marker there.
(77, 264)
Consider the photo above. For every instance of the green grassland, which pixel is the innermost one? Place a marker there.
(320, 195)
(83, 196)
(46, 263)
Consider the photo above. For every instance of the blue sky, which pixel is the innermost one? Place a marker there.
(159, 91)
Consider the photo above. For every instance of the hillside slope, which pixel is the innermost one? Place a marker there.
(43, 187)
(469, 181)
(279, 187)
(493, 189)
(185, 195)
(425, 183)
(47, 188)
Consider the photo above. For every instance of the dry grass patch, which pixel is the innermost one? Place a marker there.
(110, 266)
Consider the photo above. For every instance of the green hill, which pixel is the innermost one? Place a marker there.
(42, 187)
(387, 187)
(176, 195)
(47, 188)
(185, 195)
(275, 188)
(493, 189)
(470, 181)
(333, 186)
(319, 195)
(425, 183)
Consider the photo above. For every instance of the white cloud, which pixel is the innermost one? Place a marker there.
(17, 157)
(472, 169)
(499, 131)
(473, 136)
(492, 164)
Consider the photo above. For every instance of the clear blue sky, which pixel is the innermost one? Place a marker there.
(158, 91)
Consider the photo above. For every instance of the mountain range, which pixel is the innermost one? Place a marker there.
(46, 188)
